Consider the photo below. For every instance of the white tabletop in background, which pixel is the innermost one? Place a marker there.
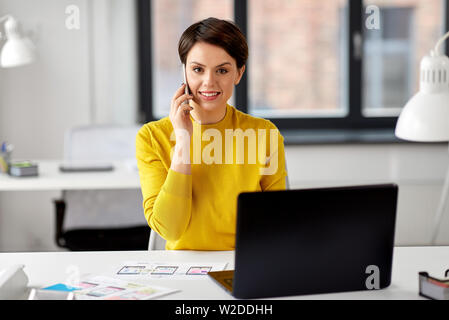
(124, 176)
(47, 268)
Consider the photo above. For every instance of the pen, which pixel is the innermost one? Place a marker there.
(7, 147)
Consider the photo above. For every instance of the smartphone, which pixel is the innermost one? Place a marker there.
(187, 89)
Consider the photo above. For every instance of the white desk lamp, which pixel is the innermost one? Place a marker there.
(17, 50)
(425, 117)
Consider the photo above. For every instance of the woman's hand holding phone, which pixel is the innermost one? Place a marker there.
(180, 111)
(183, 127)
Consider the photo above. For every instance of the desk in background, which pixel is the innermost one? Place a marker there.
(124, 176)
(47, 268)
(50, 184)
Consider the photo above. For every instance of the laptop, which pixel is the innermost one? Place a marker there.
(311, 241)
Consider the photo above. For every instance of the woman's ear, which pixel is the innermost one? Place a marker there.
(240, 72)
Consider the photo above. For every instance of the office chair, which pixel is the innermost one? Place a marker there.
(88, 220)
(156, 242)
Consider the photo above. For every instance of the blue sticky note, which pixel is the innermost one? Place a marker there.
(61, 287)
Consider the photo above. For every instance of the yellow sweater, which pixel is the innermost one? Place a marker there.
(198, 211)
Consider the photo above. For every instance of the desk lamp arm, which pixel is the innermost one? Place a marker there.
(440, 43)
(441, 208)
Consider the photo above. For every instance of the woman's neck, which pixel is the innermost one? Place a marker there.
(207, 117)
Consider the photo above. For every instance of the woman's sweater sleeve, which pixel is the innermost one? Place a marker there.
(167, 194)
(275, 171)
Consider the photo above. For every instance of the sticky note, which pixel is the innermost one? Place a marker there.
(61, 287)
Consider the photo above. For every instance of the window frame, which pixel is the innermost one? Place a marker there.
(354, 120)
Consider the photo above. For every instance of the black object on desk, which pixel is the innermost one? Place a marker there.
(312, 241)
(85, 167)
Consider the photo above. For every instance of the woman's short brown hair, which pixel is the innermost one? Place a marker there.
(222, 33)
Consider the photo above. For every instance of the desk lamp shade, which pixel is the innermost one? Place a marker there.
(425, 118)
(17, 50)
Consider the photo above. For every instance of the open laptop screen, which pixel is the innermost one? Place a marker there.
(314, 240)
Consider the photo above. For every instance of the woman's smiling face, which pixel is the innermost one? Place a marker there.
(211, 74)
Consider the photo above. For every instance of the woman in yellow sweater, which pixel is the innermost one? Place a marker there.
(194, 163)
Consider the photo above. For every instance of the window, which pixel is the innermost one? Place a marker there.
(312, 64)
(180, 14)
(297, 58)
(410, 29)
(388, 63)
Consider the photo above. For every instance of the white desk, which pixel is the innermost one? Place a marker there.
(50, 178)
(45, 269)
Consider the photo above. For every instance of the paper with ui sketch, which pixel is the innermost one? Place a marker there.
(108, 288)
(158, 270)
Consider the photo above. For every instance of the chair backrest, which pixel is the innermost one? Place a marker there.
(287, 181)
(102, 208)
(100, 143)
(156, 242)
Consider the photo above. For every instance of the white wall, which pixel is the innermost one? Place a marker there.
(39, 101)
(114, 61)
(81, 77)
(65, 88)
(84, 76)
(418, 169)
